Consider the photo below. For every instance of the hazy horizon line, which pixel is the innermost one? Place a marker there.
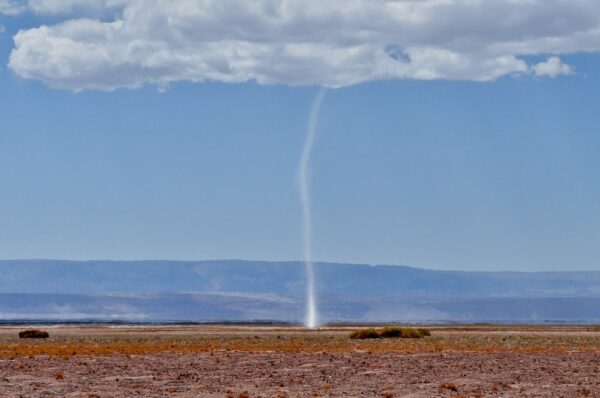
(301, 262)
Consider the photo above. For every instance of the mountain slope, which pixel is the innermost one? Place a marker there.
(56, 276)
(254, 290)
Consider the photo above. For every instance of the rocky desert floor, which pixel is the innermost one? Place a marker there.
(264, 361)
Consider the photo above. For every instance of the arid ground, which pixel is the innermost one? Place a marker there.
(262, 361)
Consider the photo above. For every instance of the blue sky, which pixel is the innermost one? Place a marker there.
(443, 173)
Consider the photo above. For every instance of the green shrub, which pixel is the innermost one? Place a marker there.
(33, 334)
(390, 332)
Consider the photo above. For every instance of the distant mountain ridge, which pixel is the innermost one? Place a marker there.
(94, 277)
(259, 290)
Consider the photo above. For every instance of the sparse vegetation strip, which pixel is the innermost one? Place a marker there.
(390, 332)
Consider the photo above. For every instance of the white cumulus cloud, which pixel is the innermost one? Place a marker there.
(333, 43)
(11, 7)
(553, 67)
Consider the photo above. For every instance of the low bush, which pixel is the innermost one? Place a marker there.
(390, 332)
(365, 334)
(33, 334)
(424, 332)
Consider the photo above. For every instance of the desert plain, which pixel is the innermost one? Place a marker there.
(230, 361)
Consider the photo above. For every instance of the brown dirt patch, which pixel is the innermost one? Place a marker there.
(290, 362)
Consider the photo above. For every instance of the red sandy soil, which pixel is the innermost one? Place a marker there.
(358, 371)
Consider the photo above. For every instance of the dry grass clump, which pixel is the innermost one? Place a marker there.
(390, 332)
(370, 333)
(33, 334)
(404, 333)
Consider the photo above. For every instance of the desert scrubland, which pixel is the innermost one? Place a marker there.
(271, 361)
